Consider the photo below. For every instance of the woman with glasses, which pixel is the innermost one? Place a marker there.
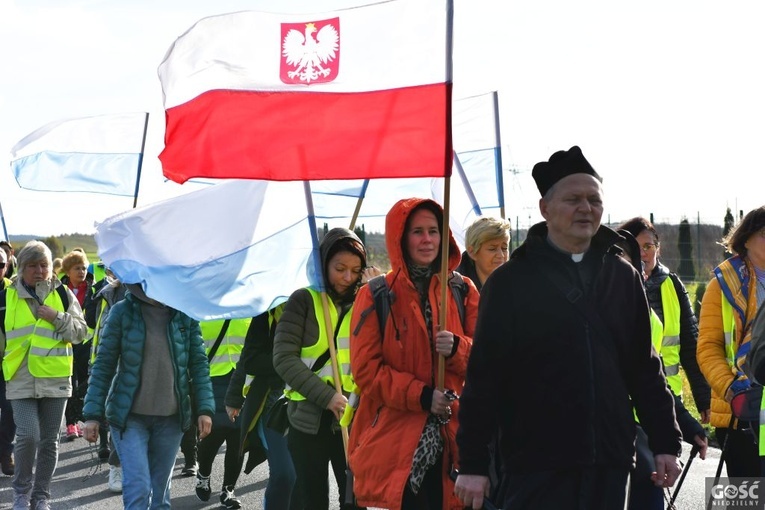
(727, 310)
(669, 299)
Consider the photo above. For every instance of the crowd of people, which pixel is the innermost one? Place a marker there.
(446, 381)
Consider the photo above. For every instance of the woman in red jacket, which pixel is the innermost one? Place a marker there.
(401, 451)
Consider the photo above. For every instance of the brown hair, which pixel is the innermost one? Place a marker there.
(753, 222)
(74, 257)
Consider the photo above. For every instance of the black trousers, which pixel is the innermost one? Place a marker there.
(208, 447)
(311, 454)
(575, 489)
(741, 452)
(431, 493)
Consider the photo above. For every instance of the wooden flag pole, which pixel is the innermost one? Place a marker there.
(444, 280)
(333, 361)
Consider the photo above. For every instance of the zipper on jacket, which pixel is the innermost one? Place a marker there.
(377, 416)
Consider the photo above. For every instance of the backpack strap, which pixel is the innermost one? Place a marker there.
(64, 295)
(381, 301)
(459, 291)
(218, 340)
(382, 298)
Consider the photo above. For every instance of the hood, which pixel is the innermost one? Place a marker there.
(395, 222)
(137, 291)
(330, 244)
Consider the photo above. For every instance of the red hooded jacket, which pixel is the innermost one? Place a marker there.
(393, 371)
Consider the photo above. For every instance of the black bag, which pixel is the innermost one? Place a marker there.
(277, 416)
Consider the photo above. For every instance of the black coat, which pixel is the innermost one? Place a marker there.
(560, 389)
(689, 331)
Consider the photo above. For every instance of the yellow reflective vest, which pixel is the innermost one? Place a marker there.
(669, 350)
(230, 349)
(310, 354)
(49, 355)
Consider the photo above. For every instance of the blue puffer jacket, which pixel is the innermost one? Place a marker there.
(117, 371)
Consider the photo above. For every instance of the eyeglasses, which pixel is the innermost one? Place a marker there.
(2, 265)
(649, 247)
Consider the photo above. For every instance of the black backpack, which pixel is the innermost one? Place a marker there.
(61, 292)
(382, 297)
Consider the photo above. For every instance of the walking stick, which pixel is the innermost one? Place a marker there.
(694, 452)
(722, 458)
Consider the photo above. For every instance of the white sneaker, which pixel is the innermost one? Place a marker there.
(115, 478)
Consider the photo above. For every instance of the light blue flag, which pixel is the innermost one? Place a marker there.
(233, 250)
(100, 154)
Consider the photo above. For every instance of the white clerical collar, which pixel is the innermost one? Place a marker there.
(577, 257)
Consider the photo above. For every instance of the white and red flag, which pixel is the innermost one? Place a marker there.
(357, 93)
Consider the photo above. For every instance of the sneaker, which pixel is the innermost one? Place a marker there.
(227, 498)
(7, 464)
(41, 504)
(20, 501)
(115, 479)
(79, 431)
(71, 432)
(190, 469)
(203, 487)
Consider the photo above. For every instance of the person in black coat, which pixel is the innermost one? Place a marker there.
(561, 353)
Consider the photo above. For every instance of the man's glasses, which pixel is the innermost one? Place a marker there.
(649, 247)
(2, 265)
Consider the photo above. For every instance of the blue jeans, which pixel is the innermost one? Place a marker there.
(281, 478)
(147, 448)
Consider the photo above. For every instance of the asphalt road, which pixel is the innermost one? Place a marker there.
(73, 488)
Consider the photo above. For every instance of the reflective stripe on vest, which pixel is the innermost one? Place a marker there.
(670, 344)
(729, 331)
(48, 354)
(309, 355)
(230, 349)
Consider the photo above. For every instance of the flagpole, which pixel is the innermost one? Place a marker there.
(140, 160)
(445, 238)
(498, 157)
(358, 204)
(2, 219)
(444, 279)
(327, 317)
(466, 184)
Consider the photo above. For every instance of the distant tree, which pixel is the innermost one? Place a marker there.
(359, 231)
(685, 270)
(727, 226)
(55, 247)
(701, 288)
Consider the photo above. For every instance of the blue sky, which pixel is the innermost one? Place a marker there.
(665, 98)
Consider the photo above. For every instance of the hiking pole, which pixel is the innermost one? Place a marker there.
(722, 458)
(694, 451)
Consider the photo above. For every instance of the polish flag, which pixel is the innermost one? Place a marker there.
(356, 93)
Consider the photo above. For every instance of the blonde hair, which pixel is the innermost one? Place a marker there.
(486, 229)
(73, 258)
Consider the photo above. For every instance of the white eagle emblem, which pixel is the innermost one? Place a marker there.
(308, 56)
